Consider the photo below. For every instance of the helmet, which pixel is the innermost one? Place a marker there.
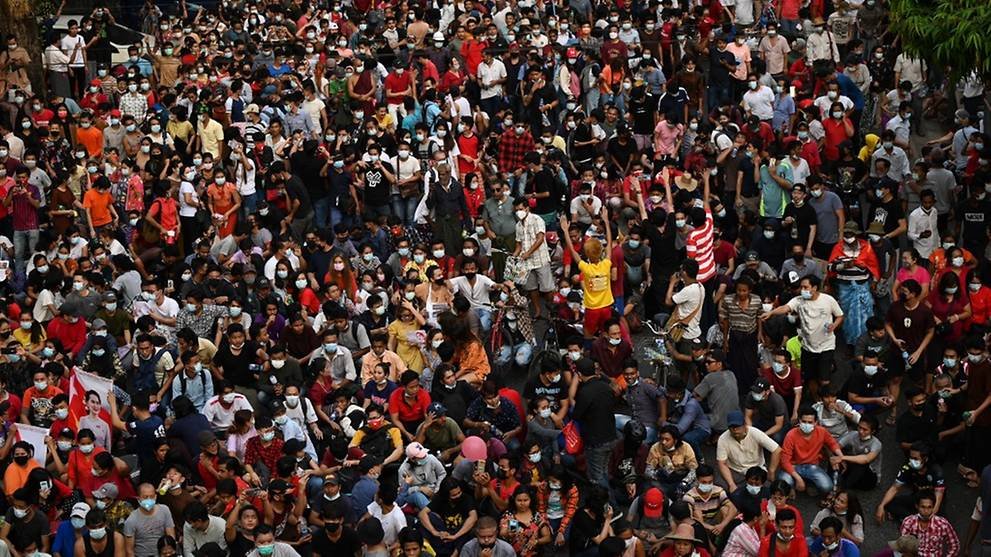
(438, 37)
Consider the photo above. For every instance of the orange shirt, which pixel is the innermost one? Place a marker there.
(92, 139)
(472, 357)
(98, 202)
(15, 477)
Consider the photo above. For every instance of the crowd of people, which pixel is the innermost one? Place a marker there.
(374, 279)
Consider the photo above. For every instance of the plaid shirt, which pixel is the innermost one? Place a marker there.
(939, 539)
(512, 149)
(526, 235)
(254, 452)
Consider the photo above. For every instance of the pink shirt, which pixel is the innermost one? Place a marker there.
(666, 138)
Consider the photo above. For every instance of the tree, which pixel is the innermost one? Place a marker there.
(20, 18)
(946, 33)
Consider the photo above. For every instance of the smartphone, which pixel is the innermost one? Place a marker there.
(252, 492)
(480, 467)
(170, 285)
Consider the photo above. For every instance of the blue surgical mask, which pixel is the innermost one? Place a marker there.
(806, 428)
(147, 504)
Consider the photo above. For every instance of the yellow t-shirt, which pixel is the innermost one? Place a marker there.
(598, 288)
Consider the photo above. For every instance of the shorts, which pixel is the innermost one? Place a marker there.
(595, 319)
(540, 278)
(817, 365)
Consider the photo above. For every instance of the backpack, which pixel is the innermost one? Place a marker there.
(182, 382)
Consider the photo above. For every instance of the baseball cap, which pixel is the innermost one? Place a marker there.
(585, 366)
(252, 108)
(106, 491)
(110, 296)
(437, 409)
(734, 418)
(416, 450)
(760, 385)
(79, 510)
(653, 503)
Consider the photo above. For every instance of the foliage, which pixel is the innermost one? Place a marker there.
(946, 33)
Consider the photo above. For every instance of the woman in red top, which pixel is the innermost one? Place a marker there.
(454, 77)
(80, 463)
(341, 274)
(474, 193)
(980, 301)
(952, 311)
(305, 295)
(838, 128)
(163, 215)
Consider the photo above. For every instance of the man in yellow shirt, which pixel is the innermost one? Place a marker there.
(211, 136)
(597, 276)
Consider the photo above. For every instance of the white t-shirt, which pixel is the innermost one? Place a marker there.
(813, 318)
(489, 73)
(760, 102)
(392, 523)
(688, 299)
(68, 45)
(186, 210)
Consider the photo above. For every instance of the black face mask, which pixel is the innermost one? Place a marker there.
(469, 276)
(332, 527)
(21, 460)
(502, 474)
(798, 257)
(486, 545)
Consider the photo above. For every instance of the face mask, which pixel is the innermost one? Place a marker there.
(975, 358)
(914, 463)
(147, 504)
(769, 234)
(234, 311)
(20, 513)
(268, 436)
(266, 549)
(958, 261)
(330, 347)
(806, 428)
(191, 308)
(40, 385)
(86, 449)
(291, 400)
(228, 398)
(705, 488)
(615, 341)
(806, 294)
(785, 538)
(99, 533)
(753, 489)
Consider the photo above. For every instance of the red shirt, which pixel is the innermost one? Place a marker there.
(723, 252)
(980, 304)
(72, 335)
(14, 410)
(796, 548)
(784, 386)
(471, 51)
(468, 147)
(835, 134)
(406, 410)
(396, 84)
(80, 468)
(255, 452)
(616, 258)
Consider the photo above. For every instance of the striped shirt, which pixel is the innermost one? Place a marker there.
(699, 248)
(938, 539)
(744, 541)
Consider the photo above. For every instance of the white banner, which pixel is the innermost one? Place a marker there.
(36, 437)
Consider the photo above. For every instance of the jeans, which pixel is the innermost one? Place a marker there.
(522, 351)
(414, 498)
(810, 473)
(249, 203)
(484, 318)
(378, 210)
(405, 208)
(623, 419)
(321, 211)
(695, 438)
(597, 461)
(24, 242)
(491, 105)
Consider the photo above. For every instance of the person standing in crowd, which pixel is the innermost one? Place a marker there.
(300, 266)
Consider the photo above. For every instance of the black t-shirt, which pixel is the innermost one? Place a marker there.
(673, 100)
(594, 405)
(377, 185)
(767, 410)
(642, 109)
(804, 217)
(453, 514)
(583, 528)
(455, 400)
(556, 392)
(719, 75)
(297, 192)
(862, 385)
(911, 428)
(543, 182)
(26, 530)
(347, 544)
(622, 153)
(664, 258)
(236, 365)
(976, 216)
(308, 167)
(748, 186)
(850, 172)
(888, 213)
